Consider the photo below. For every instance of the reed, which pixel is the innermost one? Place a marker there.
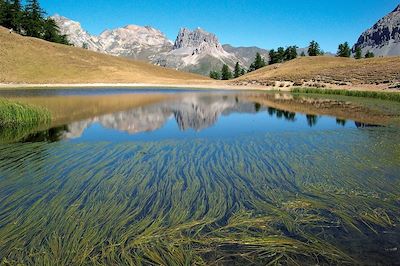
(390, 96)
(17, 120)
(14, 114)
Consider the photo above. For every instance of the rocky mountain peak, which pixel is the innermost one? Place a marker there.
(134, 35)
(198, 39)
(195, 50)
(76, 34)
(384, 37)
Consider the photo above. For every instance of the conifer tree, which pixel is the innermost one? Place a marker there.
(369, 55)
(303, 54)
(344, 50)
(314, 49)
(33, 21)
(358, 54)
(2, 10)
(290, 53)
(51, 32)
(226, 73)
(259, 61)
(237, 70)
(215, 75)
(273, 57)
(6, 14)
(280, 54)
(16, 15)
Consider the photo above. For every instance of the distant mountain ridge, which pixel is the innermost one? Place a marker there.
(195, 51)
(383, 38)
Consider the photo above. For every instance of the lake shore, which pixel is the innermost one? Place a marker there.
(206, 86)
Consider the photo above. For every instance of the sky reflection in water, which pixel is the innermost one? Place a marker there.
(194, 116)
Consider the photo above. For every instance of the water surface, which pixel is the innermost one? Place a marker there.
(195, 178)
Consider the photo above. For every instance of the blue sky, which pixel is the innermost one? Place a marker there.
(263, 23)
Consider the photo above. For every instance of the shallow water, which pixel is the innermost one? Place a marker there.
(203, 179)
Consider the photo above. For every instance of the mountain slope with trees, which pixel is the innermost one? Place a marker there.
(29, 20)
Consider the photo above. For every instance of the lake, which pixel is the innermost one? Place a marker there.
(196, 177)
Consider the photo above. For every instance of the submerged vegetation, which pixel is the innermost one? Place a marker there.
(18, 120)
(390, 96)
(250, 200)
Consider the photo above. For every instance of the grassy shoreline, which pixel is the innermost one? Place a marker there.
(388, 96)
(14, 114)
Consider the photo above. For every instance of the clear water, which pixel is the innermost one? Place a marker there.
(198, 180)
(194, 115)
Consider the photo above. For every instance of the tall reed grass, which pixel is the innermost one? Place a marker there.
(14, 114)
(18, 120)
(390, 96)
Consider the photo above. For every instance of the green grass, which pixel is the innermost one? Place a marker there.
(14, 114)
(276, 199)
(17, 120)
(390, 96)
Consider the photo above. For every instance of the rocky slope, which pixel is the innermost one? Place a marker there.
(383, 38)
(131, 41)
(135, 42)
(195, 51)
(76, 34)
(246, 54)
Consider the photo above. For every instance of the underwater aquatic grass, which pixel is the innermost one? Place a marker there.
(272, 199)
(389, 96)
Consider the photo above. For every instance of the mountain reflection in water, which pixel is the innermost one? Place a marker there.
(191, 115)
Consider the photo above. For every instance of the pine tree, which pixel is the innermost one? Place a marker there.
(358, 54)
(280, 54)
(303, 54)
(51, 32)
(2, 11)
(273, 58)
(215, 75)
(344, 50)
(290, 53)
(226, 73)
(242, 72)
(33, 21)
(259, 61)
(237, 70)
(6, 16)
(16, 15)
(369, 55)
(314, 49)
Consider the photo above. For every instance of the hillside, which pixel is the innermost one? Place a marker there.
(327, 72)
(30, 60)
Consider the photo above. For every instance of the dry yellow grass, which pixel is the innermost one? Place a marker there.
(34, 61)
(331, 71)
